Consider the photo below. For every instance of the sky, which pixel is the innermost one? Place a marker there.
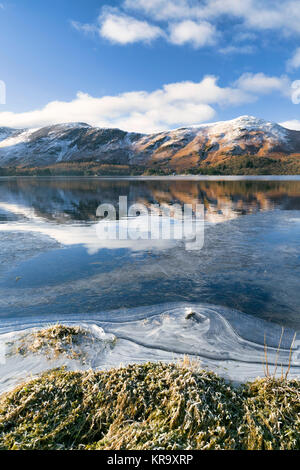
(148, 65)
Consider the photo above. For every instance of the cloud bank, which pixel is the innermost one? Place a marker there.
(174, 105)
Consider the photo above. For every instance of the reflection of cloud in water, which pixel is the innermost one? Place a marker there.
(86, 236)
(18, 209)
(92, 236)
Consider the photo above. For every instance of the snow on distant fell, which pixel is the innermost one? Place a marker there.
(245, 123)
(186, 146)
(242, 127)
(233, 129)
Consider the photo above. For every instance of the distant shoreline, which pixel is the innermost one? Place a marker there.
(165, 178)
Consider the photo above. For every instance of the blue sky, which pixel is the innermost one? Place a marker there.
(149, 65)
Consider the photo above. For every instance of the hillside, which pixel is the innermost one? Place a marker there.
(245, 145)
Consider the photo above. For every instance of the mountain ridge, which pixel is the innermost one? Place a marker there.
(178, 150)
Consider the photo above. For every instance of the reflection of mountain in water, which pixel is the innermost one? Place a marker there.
(65, 200)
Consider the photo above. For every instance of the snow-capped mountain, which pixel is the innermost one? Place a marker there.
(63, 143)
(180, 148)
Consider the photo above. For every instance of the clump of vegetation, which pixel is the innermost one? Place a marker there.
(149, 406)
(53, 342)
(271, 418)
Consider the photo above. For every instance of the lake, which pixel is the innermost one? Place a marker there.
(242, 284)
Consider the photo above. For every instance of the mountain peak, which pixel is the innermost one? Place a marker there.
(247, 125)
(247, 121)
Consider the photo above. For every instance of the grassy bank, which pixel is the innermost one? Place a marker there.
(149, 406)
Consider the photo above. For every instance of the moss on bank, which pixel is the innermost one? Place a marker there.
(150, 406)
(71, 342)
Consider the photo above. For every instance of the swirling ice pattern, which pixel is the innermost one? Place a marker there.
(226, 341)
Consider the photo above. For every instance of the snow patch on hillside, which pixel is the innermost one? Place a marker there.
(19, 138)
(242, 124)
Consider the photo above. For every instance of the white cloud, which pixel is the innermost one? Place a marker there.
(294, 124)
(173, 105)
(119, 28)
(294, 62)
(256, 14)
(164, 9)
(206, 91)
(275, 15)
(197, 34)
(260, 83)
(124, 29)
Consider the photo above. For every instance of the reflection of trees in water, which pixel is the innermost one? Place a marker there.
(64, 200)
